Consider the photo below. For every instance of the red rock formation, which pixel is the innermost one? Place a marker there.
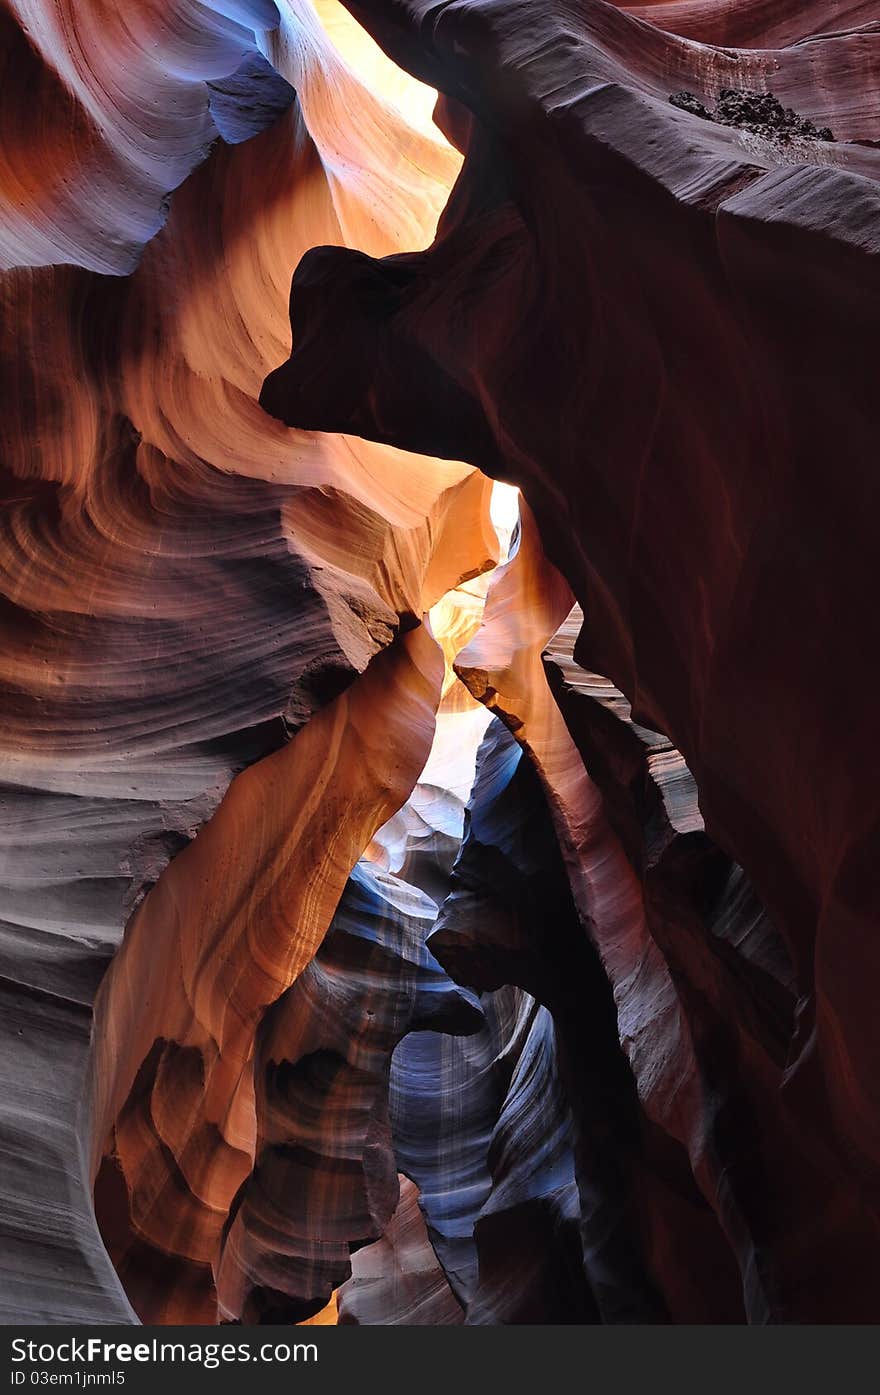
(324, 1181)
(509, 917)
(660, 329)
(184, 582)
(651, 304)
(398, 1279)
(702, 985)
(228, 928)
(755, 23)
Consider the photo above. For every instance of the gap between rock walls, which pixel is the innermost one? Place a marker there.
(189, 1186)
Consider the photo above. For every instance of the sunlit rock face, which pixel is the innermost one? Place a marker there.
(185, 583)
(418, 903)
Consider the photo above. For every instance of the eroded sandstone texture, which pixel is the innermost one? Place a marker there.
(411, 914)
(661, 329)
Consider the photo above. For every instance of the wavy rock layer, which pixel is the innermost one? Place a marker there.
(184, 583)
(510, 917)
(483, 1127)
(325, 1182)
(239, 915)
(398, 1280)
(603, 247)
(702, 983)
(273, 933)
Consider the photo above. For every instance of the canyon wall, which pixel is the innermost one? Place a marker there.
(410, 913)
(185, 584)
(657, 320)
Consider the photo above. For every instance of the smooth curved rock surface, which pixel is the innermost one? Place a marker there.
(324, 1182)
(703, 986)
(184, 582)
(652, 1249)
(398, 1279)
(250, 649)
(239, 914)
(661, 330)
(756, 23)
(483, 1127)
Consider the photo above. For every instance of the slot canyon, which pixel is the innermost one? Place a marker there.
(440, 834)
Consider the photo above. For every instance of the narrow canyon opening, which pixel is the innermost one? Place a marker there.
(306, 1129)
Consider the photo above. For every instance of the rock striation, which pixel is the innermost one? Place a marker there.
(410, 914)
(660, 328)
(185, 583)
